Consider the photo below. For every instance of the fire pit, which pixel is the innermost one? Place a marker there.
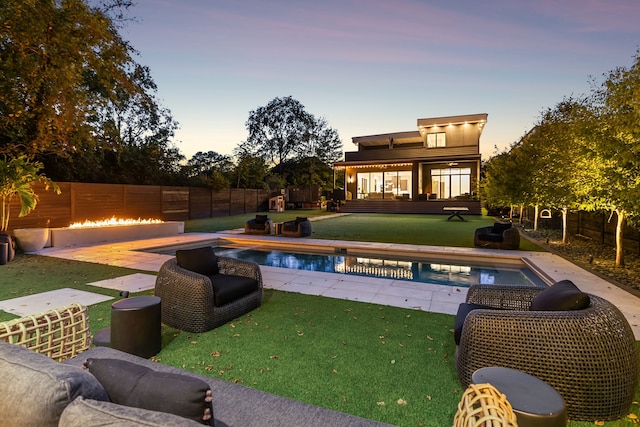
(113, 230)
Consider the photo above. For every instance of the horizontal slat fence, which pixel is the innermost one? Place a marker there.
(79, 202)
(598, 226)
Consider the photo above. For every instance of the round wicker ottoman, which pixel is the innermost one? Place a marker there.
(534, 402)
(135, 326)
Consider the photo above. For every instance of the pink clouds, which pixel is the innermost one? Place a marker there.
(594, 15)
(377, 62)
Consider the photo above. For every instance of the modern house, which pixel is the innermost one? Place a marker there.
(426, 170)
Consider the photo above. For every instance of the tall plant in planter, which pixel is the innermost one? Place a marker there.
(17, 177)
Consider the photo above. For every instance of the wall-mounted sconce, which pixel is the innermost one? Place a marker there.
(350, 179)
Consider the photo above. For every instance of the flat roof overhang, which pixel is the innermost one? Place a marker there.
(386, 138)
(453, 120)
(423, 127)
(407, 162)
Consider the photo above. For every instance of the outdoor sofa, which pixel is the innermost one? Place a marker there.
(500, 235)
(579, 343)
(39, 391)
(51, 376)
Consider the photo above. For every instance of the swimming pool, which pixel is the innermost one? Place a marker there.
(434, 271)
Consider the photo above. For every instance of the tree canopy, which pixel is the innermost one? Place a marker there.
(74, 98)
(283, 130)
(72, 95)
(582, 154)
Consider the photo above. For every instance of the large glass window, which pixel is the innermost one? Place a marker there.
(451, 182)
(436, 140)
(384, 185)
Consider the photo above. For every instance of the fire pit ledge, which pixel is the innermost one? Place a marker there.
(65, 237)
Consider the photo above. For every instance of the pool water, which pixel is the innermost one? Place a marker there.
(440, 272)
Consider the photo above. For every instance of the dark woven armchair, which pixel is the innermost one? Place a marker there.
(300, 227)
(589, 356)
(497, 236)
(261, 224)
(188, 300)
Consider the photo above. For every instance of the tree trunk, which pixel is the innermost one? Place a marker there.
(536, 213)
(619, 242)
(521, 214)
(565, 214)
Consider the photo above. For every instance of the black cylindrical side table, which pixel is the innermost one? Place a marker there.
(135, 326)
(534, 402)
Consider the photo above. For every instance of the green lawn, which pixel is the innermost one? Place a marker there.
(433, 230)
(383, 363)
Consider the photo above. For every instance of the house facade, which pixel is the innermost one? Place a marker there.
(421, 171)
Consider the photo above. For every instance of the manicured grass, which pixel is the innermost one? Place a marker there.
(378, 362)
(210, 225)
(432, 230)
(384, 363)
(31, 274)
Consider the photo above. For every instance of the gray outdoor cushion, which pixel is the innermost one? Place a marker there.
(132, 384)
(35, 389)
(86, 412)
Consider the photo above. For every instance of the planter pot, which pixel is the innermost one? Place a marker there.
(7, 249)
(31, 239)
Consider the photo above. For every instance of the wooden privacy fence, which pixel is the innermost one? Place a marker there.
(79, 202)
(601, 227)
(598, 226)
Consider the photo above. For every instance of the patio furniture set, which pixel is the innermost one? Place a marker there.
(262, 224)
(578, 345)
(50, 377)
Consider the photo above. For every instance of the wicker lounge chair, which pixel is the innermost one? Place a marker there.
(60, 333)
(497, 236)
(261, 224)
(300, 227)
(589, 356)
(188, 297)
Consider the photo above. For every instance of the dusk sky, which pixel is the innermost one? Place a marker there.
(374, 66)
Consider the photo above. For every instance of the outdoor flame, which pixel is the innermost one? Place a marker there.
(113, 222)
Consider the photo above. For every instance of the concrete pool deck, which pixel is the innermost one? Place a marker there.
(412, 295)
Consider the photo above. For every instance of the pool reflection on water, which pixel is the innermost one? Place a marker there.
(441, 272)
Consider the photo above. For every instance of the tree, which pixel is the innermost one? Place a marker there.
(612, 149)
(277, 130)
(203, 163)
(70, 88)
(554, 145)
(250, 171)
(283, 130)
(308, 171)
(210, 169)
(505, 181)
(324, 143)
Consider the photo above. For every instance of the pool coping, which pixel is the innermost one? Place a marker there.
(555, 268)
